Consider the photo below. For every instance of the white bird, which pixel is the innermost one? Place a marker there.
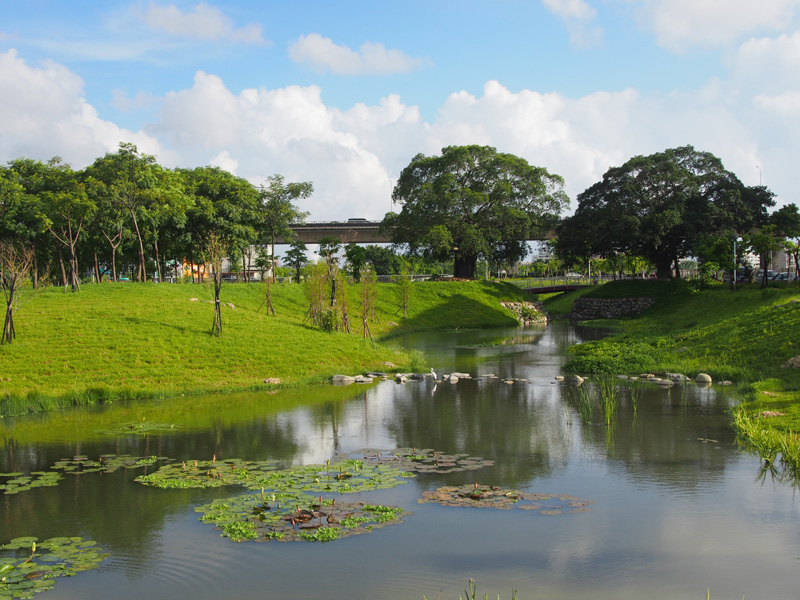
(434, 373)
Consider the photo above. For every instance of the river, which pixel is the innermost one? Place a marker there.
(670, 507)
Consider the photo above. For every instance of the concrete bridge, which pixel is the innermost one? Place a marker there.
(360, 231)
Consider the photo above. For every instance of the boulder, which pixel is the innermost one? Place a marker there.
(703, 378)
(342, 379)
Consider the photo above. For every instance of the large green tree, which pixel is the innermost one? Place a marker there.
(659, 207)
(473, 202)
(131, 182)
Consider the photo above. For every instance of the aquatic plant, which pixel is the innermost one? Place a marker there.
(20, 482)
(288, 517)
(472, 593)
(344, 476)
(239, 531)
(580, 397)
(107, 463)
(609, 397)
(28, 566)
(420, 460)
(635, 392)
(484, 496)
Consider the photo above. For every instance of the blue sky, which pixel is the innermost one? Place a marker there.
(344, 94)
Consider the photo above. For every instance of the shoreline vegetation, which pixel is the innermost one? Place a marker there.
(131, 341)
(748, 336)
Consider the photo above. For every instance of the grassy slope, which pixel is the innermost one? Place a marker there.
(745, 336)
(127, 340)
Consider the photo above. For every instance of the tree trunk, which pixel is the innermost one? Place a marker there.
(158, 263)
(98, 275)
(272, 256)
(664, 267)
(464, 267)
(73, 269)
(61, 263)
(8, 326)
(191, 261)
(114, 262)
(140, 270)
(35, 267)
(244, 267)
(216, 328)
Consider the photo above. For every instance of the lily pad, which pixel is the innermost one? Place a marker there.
(143, 428)
(423, 460)
(484, 496)
(107, 463)
(345, 476)
(13, 483)
(28, 566)
(291, 517)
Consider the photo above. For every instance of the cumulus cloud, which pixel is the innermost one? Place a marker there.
(681, 24)
(353, 156)
(46, 114)
(578, 17)
(570, 9)
(323, 54)
(204, 22)
(224, 161)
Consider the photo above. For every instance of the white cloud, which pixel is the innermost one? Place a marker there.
(570, 9)
(46, 114)
(680, 24)
(577, 15)
(353, 156)
(322, 53)
(224, 161)
(205, 22)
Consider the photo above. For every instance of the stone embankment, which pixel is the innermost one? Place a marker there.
(587, 309)
(527, 313)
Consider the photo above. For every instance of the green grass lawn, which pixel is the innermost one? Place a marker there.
(126, 340)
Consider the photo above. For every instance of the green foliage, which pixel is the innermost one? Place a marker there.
(473, 202)
(28, 566)
(661, 207)
(239, 531)
(613, 356)
(323, 534)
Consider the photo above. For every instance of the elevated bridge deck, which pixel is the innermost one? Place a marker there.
(359, 231)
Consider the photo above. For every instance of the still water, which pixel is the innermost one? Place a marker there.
(677, 507)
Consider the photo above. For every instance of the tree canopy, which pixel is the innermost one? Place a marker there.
(473, 202)
(661, 207)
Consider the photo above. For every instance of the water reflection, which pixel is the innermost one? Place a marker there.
(678, 507)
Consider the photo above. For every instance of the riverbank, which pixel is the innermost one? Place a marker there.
(119, 341)
(749, 337)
